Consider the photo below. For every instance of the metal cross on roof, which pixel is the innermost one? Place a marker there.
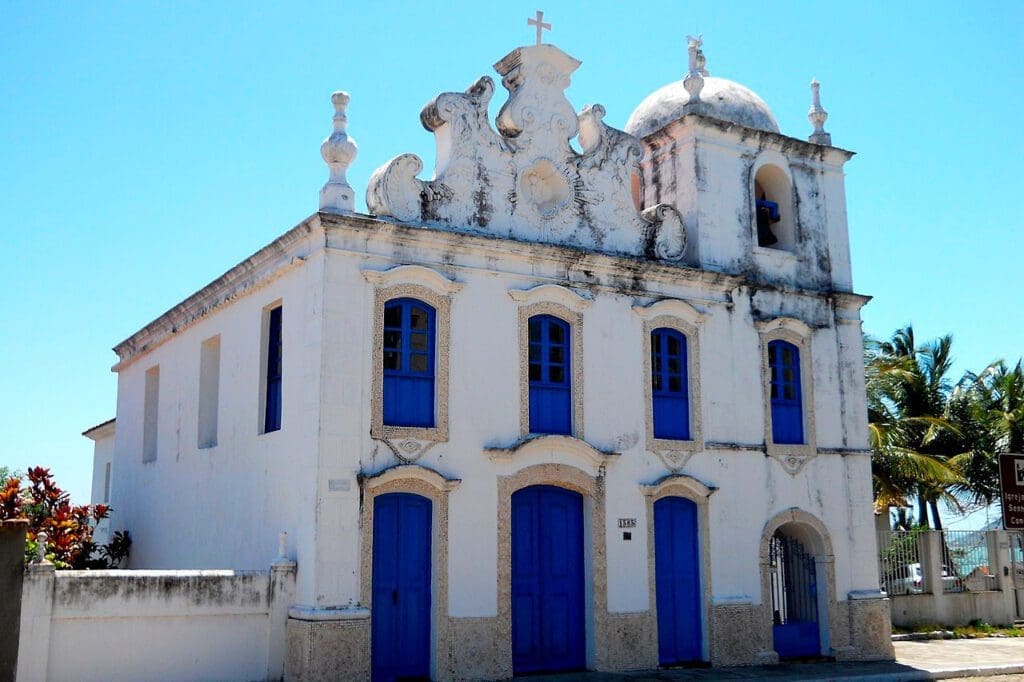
(539, 23)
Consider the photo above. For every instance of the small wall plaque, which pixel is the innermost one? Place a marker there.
(627, 523)
(338, 484)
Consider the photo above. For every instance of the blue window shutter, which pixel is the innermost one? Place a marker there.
(408, 357)
(550, 375)
(272, 409)
(670, 385)
(785, 388)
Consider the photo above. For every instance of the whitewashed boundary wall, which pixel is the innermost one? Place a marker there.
(154, 625)
(989, 595)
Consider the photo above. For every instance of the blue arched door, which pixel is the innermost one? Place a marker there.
(677, 581)
(547, 580)
(401, 587)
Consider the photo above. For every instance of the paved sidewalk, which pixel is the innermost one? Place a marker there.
(947, 659)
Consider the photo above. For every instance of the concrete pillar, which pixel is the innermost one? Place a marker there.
(282, 596)
(36, 611)
(999, 559)
(931, 561)
(12, 563)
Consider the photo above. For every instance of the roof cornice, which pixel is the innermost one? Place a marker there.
(101, 431)
(698, 125)
(283, 254)
(259, 269)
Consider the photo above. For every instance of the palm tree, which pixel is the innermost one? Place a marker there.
(994, 400)
(917, 448)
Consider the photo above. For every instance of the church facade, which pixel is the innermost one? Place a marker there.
(548, 410)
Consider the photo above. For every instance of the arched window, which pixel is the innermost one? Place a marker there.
(670, 391)
(408, 363)
(773, 209)
(550, 375)
(787, 404)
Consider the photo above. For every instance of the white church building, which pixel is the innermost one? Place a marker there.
(548, 410)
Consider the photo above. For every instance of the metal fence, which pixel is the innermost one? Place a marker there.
(963, 560)
(899, 561)
(1017, 558)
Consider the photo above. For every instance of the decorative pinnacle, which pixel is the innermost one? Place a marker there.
(694, 80)
(282, 541)
(817, 116)
(338, 151)
(40, 548)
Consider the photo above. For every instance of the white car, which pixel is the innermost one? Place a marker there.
(907, 579)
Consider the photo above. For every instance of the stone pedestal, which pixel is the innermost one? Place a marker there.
(328, 644)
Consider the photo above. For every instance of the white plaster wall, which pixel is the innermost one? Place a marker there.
(224, 506)
(135, 625)
(103, 454)
(484, 409)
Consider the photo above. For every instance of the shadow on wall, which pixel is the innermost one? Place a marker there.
(12, 560)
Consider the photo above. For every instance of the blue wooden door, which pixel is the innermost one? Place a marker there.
(677, 581)
(794, 585)
(401, 587)
(547, 580)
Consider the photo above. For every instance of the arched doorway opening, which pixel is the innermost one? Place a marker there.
(797, 577)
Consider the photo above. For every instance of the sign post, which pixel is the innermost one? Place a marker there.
(1011, 487)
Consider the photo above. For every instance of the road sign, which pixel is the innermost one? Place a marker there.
(1011, 485)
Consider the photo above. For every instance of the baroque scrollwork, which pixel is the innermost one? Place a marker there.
(525, 180)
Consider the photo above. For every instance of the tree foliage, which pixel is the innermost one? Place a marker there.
(934, 439)
(68, 528)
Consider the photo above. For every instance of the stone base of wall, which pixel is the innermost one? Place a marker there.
(477, 651)
(868, 633)
(328, 650)
(740, 634)
(630, 642)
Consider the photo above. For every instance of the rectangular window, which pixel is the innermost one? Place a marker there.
(786, 399)
(106, 484)
(670, 402)
(550, 372)
(272, 397)
(150, 411)
(408, 352)
(209, 391)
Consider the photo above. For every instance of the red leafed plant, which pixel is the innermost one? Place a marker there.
(68, 527)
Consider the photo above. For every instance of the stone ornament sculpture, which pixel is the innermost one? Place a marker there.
(338, 151)
(525, 180)
(817, 116)
(694, 80)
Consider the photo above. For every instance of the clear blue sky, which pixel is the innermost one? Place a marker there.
(148, 147)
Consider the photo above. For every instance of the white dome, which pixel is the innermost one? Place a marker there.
(719, 98)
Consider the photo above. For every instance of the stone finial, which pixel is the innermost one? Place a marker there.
(817, 116)
(41, 539)
(694, 80)
(282, 546)
(338, 151)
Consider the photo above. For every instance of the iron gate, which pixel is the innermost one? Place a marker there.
(1017, 569)
(794, 588)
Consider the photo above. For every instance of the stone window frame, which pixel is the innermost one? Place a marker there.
(435, 289)
(781, 163)
(679, 315)
(417, 480)
(597, 619)
(568, 306)
(792, 456)
(689, 488)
